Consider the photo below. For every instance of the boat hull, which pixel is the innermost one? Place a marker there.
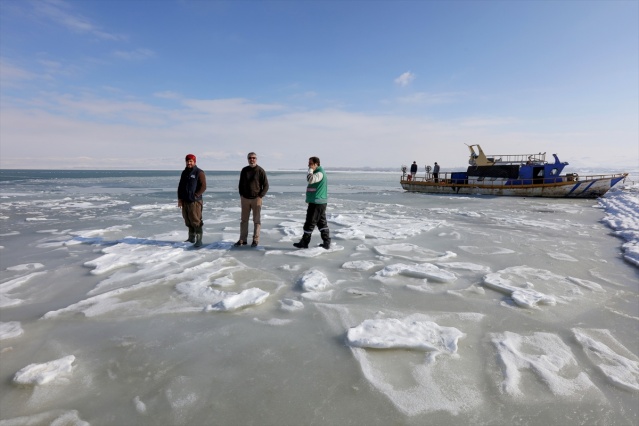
(586, 187)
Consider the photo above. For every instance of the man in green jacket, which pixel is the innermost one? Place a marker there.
(316, 197)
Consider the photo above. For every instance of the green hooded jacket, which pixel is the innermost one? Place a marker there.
(317, 193)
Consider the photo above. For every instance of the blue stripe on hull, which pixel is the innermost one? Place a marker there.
(577, 185)
(591, 184)
(613, 182)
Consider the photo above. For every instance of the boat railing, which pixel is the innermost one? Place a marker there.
(447, 178)
(539, 158)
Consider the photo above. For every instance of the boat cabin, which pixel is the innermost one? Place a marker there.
(519, 169)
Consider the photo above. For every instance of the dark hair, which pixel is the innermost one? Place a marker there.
(315, 160)
(251, 153)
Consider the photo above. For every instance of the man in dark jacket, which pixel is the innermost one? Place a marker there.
(253, 187)
(190, 189)
(413, 170)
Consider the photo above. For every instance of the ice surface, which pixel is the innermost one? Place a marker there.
(415, 317)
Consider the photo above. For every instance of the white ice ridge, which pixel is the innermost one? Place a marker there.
(124, 254)
(53, 418)
(393, 333)
(386, 227)
(359, 265)
(26, 267)
(309, 252)
(415, 383)
(520, 283)
(424, 270)
(140, 406)
(464, 266)
(193, 283)
(10, 330)
(39, 374)
(486, 251)
(622, 215)
(313, 280)
(546, 356)
(249, 297)
(618, 364)
(7, 286)
(413, 252)
(290, 305)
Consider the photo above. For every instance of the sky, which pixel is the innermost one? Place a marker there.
(137, 84)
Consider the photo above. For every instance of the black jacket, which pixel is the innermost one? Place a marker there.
(192, 185)
(253, 182)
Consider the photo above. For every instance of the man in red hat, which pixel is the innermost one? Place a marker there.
(190, 189)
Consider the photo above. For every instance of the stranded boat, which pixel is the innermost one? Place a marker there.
(525, 175)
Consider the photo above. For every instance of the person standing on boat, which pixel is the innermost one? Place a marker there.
(436, 172)
(253, 187)
(316, 198)
(413, 170)
(190, 189)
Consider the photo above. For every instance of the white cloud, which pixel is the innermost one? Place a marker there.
(11, 74)
(137, 54)
(487, 121)
(424, 98)
(229, 107)
(62, 13)
(167, 95)
(405, 79)
(63, 131)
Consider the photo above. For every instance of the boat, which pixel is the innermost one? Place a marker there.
(521, 175)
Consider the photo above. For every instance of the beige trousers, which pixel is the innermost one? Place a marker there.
(248, 205)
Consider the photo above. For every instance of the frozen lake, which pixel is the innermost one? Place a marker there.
(426, 310)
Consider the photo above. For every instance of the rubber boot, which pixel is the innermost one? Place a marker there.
(191, 238)
(303, 244)
(198, 237)
(256, 234)
(326, 239)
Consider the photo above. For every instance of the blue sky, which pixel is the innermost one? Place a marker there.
(139, 84)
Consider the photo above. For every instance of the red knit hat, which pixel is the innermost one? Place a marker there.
(190, 157)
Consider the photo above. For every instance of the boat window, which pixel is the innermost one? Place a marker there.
(554, 172)
(540, 173)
